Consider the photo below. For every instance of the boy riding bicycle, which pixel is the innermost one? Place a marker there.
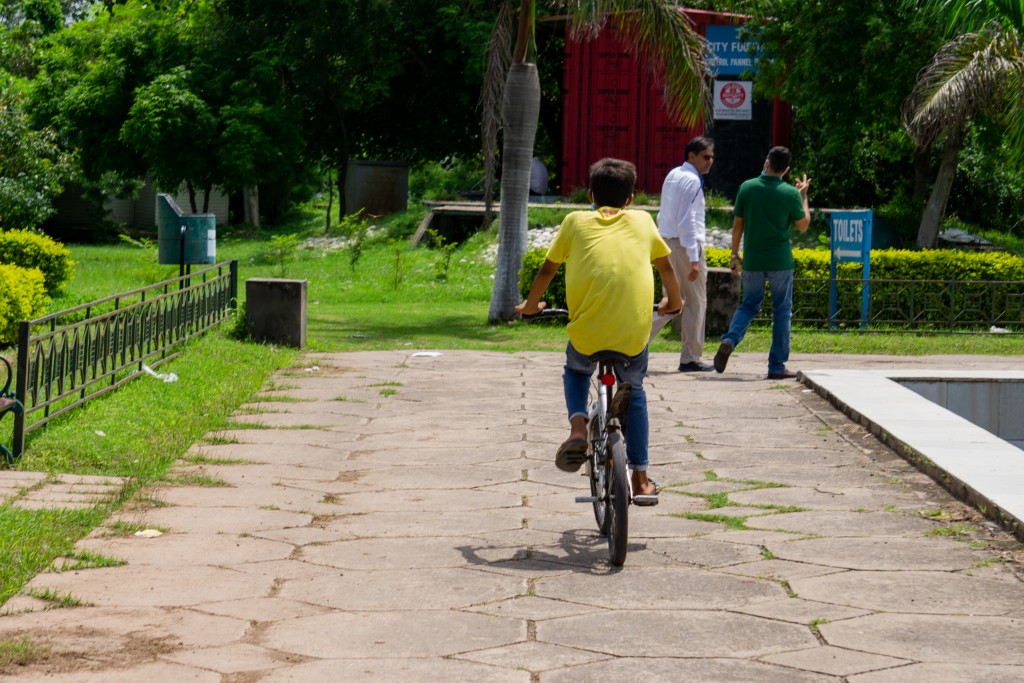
(609, 290)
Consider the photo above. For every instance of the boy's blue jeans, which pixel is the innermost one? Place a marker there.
(576, 382)
(781, 284)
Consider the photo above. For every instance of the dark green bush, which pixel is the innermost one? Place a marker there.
(30, 249)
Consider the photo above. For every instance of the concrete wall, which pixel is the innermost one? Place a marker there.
(995, 406)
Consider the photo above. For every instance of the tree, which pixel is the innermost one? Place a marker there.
(979, 71)
(333, 60)
(162, 90)
(657, 29)
(846, 68)
(32, 167)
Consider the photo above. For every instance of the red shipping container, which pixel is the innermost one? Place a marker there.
(613, 106)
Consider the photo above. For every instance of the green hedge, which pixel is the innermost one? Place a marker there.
(22, 297)
(938, 265)
(30, 249)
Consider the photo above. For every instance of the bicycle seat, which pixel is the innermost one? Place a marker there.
(611, 356)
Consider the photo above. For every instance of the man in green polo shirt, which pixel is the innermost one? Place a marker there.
(765, 209)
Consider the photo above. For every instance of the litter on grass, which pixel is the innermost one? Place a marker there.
(166, 377)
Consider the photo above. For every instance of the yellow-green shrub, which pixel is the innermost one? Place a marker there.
(22, 297)
(30, 249)
(930, 269)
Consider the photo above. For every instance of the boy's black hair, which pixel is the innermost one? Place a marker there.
(698, 145)
(779, 158)
(612, 182)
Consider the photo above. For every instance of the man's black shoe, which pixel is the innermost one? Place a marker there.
(785, 374)
(722, 357)
(695, 366)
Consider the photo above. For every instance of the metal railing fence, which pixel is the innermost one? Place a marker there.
(919, 305)
(71, 356)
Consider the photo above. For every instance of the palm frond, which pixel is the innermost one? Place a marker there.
(1013, 104)
(970, 16)
(967, 76)
(499, 56)
(661, 32)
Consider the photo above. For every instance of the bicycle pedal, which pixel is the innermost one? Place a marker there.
(645, 500)
(586, 499)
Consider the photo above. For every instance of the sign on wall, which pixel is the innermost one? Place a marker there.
(734, 100)
(728, 55)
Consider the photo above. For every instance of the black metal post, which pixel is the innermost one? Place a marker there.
(21, 388)
(181, 259)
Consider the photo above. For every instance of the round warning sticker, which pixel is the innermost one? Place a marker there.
(733, 95)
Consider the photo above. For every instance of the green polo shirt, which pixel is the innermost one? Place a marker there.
(768, 207)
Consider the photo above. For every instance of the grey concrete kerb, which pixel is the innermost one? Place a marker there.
(974, 464)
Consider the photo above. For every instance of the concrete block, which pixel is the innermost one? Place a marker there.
(723, 299)
(275, 311)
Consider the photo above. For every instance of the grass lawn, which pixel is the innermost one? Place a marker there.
(382, 296)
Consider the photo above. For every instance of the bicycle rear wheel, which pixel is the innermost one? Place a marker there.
(618, 500)
(597, 474)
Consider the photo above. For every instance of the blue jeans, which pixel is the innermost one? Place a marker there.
(781, 284)
(576, 382)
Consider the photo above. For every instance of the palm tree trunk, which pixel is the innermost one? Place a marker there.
(921, 171)
(935, 209)
(520, 111)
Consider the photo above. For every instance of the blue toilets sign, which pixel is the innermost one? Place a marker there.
(851, 241)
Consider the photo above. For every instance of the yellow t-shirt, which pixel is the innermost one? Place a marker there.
(609, 285)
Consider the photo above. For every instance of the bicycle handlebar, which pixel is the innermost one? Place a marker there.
(546, 313)
(561, 312)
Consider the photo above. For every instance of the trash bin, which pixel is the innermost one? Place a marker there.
(184, 238)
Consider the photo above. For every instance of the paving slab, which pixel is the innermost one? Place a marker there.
(940, 638)
(674, 669)
(889, 554)
(411, 669)
(426, 535)
(943, 673)
(914, 592)
(835, 661)
(697, 633)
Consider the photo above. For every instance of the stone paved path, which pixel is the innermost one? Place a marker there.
(398, 517)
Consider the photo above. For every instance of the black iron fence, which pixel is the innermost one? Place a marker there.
(71, 356)
(921, 305)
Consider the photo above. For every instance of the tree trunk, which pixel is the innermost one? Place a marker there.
(921, 171)
(342, 178)
(206, 199)
(191, 196)
(330, 202)
(935, 209)
(520, 112)
(251, 205)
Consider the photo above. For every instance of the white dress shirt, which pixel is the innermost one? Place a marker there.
(682, 210)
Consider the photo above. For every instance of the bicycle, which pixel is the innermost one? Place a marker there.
(611, 486)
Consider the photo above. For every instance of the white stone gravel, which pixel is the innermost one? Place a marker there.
(541, 238)
(537, 238)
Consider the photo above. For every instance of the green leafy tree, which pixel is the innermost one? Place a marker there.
(846, 68)
(162, 89)
(657, 29)
(173, 130)
(332, 58)
(32, 167)
(979, 71)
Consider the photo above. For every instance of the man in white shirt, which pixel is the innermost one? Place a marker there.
(681, 224)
